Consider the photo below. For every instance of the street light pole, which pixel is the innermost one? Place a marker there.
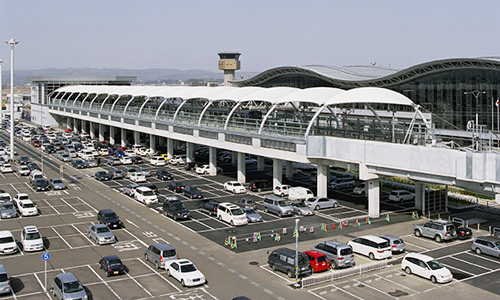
(476, 94)
(1, 94)
(12, 43)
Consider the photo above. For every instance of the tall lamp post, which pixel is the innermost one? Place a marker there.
(476, 94)
(12, 43)
(1, 99)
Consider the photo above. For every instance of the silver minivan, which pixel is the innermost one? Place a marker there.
(277, 205)
(4, 281)
(159, 254)
(67, 287)
(489, 245)
(339, 254)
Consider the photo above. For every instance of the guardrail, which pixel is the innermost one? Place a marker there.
(313, 280)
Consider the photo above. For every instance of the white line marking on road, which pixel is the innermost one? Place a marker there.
(61, 237)
(91, 207)
(84, 235)
(41, 284)
(69, 204)
(132, 223)
(50, 205)
(135, 237)
(105, 283)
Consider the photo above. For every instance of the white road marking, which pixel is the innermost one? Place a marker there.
(105, 283)
(61, 237)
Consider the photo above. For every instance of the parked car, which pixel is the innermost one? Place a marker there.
(144, 171)
(360, 189)
(102, 176)
(318, 261)
(6, 168)
(339, 254)
(5, 197)
(176, 186)
(41, 185)
(281, 190)
(23, 171)
(145, 195)
(425, 266)
(67, 286)
(127, 171)
(109, 218)
(57, 184)
(157, 161)
(372, 246)
(175, 209)
(317, 203)
(23, 160)
(342, 183)
(31, 239)
(243, 203)
(178, 159)
(27, 208)
(283, 260)
(164, 175)
(137, 177)
(125, 160)
(115, 174)
(152, 186)
(5, 281)
(489, 245)
(463, 232)
(113, 161)
(439, 230)
(160, 254)
(397, 244)
(8, 243)
(192, 192)
(401, 195)
(137, 159)
(300, 208)
(112, 265)
(91, 163)
(277, 205)
(101, 234)
(78, 163)
(252, 215)
(260, 185)
(7, 210)
(209, 208)
(130, 189)
(185, 272)
(232, 214)
(235, 187)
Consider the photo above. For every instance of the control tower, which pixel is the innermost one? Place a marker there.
(229, 63)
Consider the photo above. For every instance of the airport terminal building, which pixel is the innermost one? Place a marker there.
(443, 87)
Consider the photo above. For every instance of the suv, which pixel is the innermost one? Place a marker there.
(176, 209)
(489, 245)
(158, 254)
(232, 214)
(339, 254)
(260, 185)
(109, 217)
(7, 243)
(278, 206)
(401, 195)
(145, 195)
(31, 239)
(283, 260)
(439, 230)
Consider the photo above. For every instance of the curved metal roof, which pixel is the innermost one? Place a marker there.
(364, 76)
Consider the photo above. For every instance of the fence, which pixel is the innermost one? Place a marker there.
(343, 273)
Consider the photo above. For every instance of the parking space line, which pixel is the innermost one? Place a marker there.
(472, 264)
(396, 283)
(193, 219)
(84, 235)
(61, 237)
(482, 257)
(41, 284)
(414, 245)
(50, 205)
(374, 288)
(453, 267)
(178, 223)
(69, 204)
(105, 283)
(87, 204)
(263, 267)
(135, 237)
(30, 187)
(17, 191)
(143, 288)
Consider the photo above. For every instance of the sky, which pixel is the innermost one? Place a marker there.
(188, 34)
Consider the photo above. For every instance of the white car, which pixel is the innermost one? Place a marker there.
(425, 266)
(31, 239)
(205, 169)
(178, 159)
(360, 189)
(157, 161)
(6, 168)
(235, 187)
(27, 208)
(7, 243)
(5, 197)
(186, 272)
(129, 153)
(145, 195)
(125, 160)
(24, 170)
(19, 197)
(401, 195)
(281, 190)
(137, 177)
(103, 152)
(372, 246)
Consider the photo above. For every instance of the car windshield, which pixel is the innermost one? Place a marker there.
(102, 229)
(33, 236)
(110, 216)
(434, 265)
(237, 212)
(7, 239)
(250, 211)
(299, 204)
(383, 245)
(72, 287)
(149, 193)
(7, 206)
(322, 259)
(284, 203)
(236, 184)
(57, 181)
(4, 198)
(193, 189)
(188, 268)
(178, 205)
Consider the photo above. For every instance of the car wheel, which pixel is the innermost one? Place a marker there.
(274, 268)
(175, 217)
(266, 210)
(433, 279)
(182, 282)
(146, 257)
(438, 238)
(478, 251)
(371, 256)
(418, 233)
(335, 205)
(232, 223)
(168, 272)
(108, 274)
(157, 265)
(333, 264)
(281, 195)
(408, 270)
(316, 207)
(290, 274)
(279, 214)
(259, 190)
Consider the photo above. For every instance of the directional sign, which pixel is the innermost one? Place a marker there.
(45, 256)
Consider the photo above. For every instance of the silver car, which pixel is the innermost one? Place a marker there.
(489, 245)
(317, 203)
(57, 184)
(116, 174)
(300, 208)
(144, 171)
(397, 244)
(4, 281)
(7, 210)
(66, 286)
(91, 163)
(252, 215)
(101, 234)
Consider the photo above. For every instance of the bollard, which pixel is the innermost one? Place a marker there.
(477, 227)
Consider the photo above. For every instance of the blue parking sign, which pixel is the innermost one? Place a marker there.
(46, 256)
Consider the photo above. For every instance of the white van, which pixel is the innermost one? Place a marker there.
(178, 159)
(299, 193)
(145, 195)
(232, 214)
(372, 246)
(157, 161)
(34, 175)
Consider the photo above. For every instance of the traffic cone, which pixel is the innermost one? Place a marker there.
(333, 226)
(368, 221)
(357, 223)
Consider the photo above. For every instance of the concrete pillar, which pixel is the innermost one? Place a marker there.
(322, 180)
(68, 122)
(497, 198)
(241, 173)
(277, 172)
(260, 163)
(123, 135)
(189, 152)
(137, 137)
(75, 127)
(373, 198)
(101, 132)
(212, 160)
(234, 156)
(289, 169)
(170, 148)
(420, 196)
(92, 130)
(152, 142)
(112, 135)
(83, 126)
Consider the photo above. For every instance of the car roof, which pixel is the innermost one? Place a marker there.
(30, 228)
(335, 243)
(491, 238)
(419, 256)
(314, 253)
(100, 225)
(106, 211)
(229, 205)
(390, 236)
(374, 238)
(5, 233)
(111, 257)
(67, 277)
(143, 189)
(162, 246)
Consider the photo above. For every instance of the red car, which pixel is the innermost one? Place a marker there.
(319, 262)
(36, 143)
(67, 130)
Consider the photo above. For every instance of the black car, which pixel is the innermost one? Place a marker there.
(112, 265)
(209, 208)
(164, 175)
(462, 231)
(192, 192)
(153, 187)
(176, 186)
(175, 209)
(260, 185)
(102, 176)
(109, 217)
(33, 166)
(23, 160)
(41, 185)
(49, 149)
(137, 160)
(78, 163)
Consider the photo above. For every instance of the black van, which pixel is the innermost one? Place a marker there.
(260, 185)
(283, 260)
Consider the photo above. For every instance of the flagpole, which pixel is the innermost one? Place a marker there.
(492, 115)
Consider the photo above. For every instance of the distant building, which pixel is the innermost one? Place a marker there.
(41, 86)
